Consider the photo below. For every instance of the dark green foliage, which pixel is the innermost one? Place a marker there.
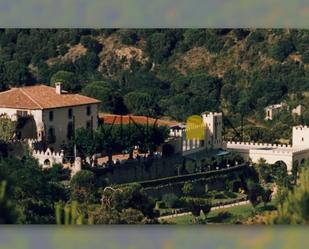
(255, 36)
(16, 73)
(161, 44)
(241, 33)
(305, 57)
(100, 90)
(63, 49)
(30, 191)
(140, 103)
(114, 139)
(129, 37)
(196, 205)
(170, 200)
(187, 188)
(281, 49)
(82, 187)
(255, 193)
(91, 44)
(8, 213)
(129, 197)
(68, 80)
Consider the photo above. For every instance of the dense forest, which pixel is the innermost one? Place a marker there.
(167, 72)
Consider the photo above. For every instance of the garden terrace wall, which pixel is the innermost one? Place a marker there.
(216, 180)
(134, 170)
(184, 178)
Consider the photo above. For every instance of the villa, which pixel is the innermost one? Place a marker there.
(47, 114)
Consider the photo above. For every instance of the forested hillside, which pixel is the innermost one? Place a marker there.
(164, 72)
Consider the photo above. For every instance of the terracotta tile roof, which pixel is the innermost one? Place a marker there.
(116, 119)
(41, 97)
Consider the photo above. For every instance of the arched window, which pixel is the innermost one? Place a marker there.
(47, 163)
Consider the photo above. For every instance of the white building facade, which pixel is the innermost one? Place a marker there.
(291, 155)
(48, 115)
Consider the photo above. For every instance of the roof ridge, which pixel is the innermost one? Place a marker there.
(30, 98)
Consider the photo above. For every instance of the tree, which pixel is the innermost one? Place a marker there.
(88, 63)
(8, 214)
(294, 208)
(68, 80)
(196, 205)
(91, 44)
(255, 192)
(280, 174)
(170, 200)
(83, 186)
(264, 171)
(190, 166)
(240, 33)
(281, 49)
(102, 91)
(266, 196)
(131, 216)
(29, 191)
(7, 129)
(160, 45)
(187, 188)
(16, 73)
(87, 142)
(140, 103)
(129, 37)
(130, 196)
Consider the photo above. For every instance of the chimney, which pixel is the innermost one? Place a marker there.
(58, 87)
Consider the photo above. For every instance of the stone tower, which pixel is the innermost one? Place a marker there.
(213, 126)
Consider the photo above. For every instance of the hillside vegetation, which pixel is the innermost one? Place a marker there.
(165, 72)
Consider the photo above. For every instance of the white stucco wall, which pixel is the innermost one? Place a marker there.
(301, 136)
(48, 158)
(36, 114)
(213, 124)
(61, 120)
(59, 123)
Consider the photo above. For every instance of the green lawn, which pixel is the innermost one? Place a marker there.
(237, 213)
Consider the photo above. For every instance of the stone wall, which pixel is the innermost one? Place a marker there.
(141, 170)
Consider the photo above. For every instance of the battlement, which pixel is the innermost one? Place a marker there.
(48, 153)
(301, 127)
(211, 114)
(48, 158)
(258, 145)
(271, 152)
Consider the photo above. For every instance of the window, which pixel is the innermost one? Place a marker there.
(302, 139)
(51, 138)
(22, 113)
(88, 110)
(70, 113)
(51, 116)
(70, 131)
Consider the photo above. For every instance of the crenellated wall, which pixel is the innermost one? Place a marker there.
(48, 158)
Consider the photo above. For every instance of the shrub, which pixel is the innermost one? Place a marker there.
(230, 194)
(187, 188)
(196, 205)
(219, 196)
(170, 200)
(224, 215)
